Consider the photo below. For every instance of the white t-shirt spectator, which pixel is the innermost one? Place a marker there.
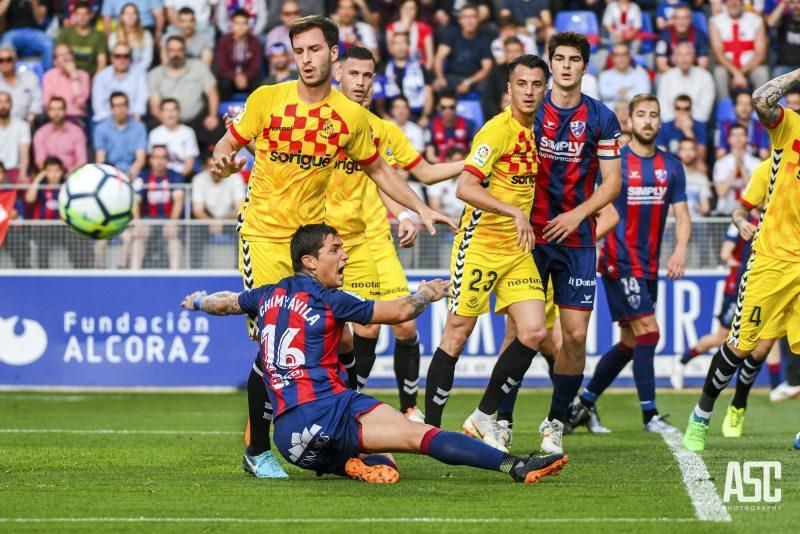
(221, 199)
(415, 134)
(445, 191)
(201, 8)
(181, 144)
(723, 169)
(697, 188)
(618, 19)
(16, 133)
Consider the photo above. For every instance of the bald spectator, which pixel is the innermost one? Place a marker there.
(740, 44)
(89, 46)
(464, 58)
(23, 87)
(624, 80)
(119, 76)
(66, 81)
(199, 45)
(685, 78)
(15, 142)
(60, 138)
(681, 29)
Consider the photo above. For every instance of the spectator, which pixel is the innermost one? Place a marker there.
(203, 12)
(732, 171)
(442, 196)
(121, 140)
(681, 30)
(23, 29)
(197, 45)
(625, 80)
(447, 130)
(401, 115)
(353, 31)
(88, 45)
(536, 15)
(280, 64)
(238, 58)
(15, 141)
(464, 57)
(509, 28)
(180, 140)
(290, 12)
(405, 76)
(22, 86)
(683, 126)
(68, 82)
(17, 241)
(256, 15)
(686, 79)
(420, 34)
(698, 188)
(158, 197)
(151, 13)
(60, 138)
(130, 32)
(739, 43)
(497, 81)
(793, 99)
(665, 10)
(187, 81)
(622, 20)
(757, 140)
(624, 118)
(785, 18)
(304, 7)
(119, 77)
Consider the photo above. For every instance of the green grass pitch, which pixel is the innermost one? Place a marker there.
(186, 476)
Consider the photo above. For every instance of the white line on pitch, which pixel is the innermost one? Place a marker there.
(111, 431)
(707, 503)
(454, 520)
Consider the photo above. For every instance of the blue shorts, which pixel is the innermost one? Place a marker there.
(322, 435)
(728, 310)
(573, 272)
(630, 298)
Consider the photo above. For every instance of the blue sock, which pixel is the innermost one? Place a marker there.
(644, 374)
(609, 366)
(458, 449)
(565, 388)
(688, 355)
(505, 409)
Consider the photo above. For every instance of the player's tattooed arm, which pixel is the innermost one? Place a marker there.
(766, 97)
(220, 303)
(404, 309)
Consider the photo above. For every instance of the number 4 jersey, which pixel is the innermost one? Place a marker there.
(300, 324)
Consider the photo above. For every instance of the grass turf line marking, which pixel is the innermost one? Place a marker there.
(707, 503)
(454, 520)
(110, 431)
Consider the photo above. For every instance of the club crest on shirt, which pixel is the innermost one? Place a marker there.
(577, 128)
(661, 176)
(482, 154)
(634, 301)
(325, 129)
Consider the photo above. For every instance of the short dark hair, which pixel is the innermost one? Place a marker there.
(512, 40)
(178, 38)
(571, 39)
(169, 101)
(401, 98)
(154, 147)
(643, 97)
(446, 93)
(117, 94)
(683, 98)
(82, 4)
(737, 126)
(307, 241)
(736, 94)
(57, 99)
(359, 52)
(531, 61)
(53, 160)
(329, 29)
(466, 7)
(240, 13)
(186, 10)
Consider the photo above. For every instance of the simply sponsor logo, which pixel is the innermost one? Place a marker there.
(22, 341)
(560, 150)
(304, 161)
(646, 194)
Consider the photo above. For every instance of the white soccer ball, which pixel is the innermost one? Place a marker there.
(96, 201)
(796, 443)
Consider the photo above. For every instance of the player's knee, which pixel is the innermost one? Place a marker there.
(370, 330)
(407, 330)
(532, 337)
(573, 336)
(453, 341)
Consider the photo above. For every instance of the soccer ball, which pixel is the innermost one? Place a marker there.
(796, 443)
(96, 201)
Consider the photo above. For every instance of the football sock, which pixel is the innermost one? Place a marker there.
(454, 448)
(775, 378)
(609, 366)
(723, 366)
(260, 414)
(438, 385)
(507, 374)
(792, 371)
(406, 370)
(505, 410)
(565, 388)
(364, 350)
(348, 360)
(688, 355)
(551, 364)
(379, 459)
(747, 376)
(644, 375)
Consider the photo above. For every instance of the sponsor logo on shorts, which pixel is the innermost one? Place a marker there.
(581, 282)
(304, 161)
(532, 281)
(481, 155)
(587, 299)
(307, 444)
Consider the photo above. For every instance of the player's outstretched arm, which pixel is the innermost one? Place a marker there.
(766, 97)
(433, 174)
(225, 162)
(395, 187)
(220, 303)
(676, 265)
(404, 309)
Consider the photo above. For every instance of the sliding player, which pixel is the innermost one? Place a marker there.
(770, 287)
(321, 424)
(653, 180)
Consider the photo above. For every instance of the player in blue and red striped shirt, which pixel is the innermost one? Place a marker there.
(653, 181)
(320, 424)
(578, 142)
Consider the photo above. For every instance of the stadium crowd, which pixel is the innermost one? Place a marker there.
(144, 84)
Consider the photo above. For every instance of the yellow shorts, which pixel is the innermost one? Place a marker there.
(477, 273)
(393, 281)
(768, 303)
(550, 308)
(361, 274)
(261, 263)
